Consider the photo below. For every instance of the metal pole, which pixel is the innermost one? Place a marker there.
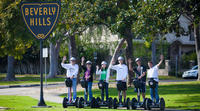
(41, 102)
(45, 72)
(176, 65)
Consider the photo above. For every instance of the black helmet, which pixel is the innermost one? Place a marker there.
(152, 83)
(83, 83)
(68, 82)
(137, 83)
(101, 84)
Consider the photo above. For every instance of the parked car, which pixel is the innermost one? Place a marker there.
(192, 73)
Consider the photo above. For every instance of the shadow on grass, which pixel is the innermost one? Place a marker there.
(179, 96)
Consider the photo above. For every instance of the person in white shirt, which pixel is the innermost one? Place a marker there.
(152, 73)
(122, 73)
(72, 72)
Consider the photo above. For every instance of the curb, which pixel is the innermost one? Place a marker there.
(28, 85)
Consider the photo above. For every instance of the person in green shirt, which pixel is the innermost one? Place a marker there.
(104, 78)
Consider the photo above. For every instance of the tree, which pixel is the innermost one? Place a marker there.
(13, 43)
(159, 17)
(117, 16)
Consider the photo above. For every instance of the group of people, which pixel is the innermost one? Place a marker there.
(104, 72)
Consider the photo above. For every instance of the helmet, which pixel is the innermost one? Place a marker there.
(152, 83)
(83, 83)
(137, 83)
(103, 62)
(72, 59)
(101, 84)
(68, 82)
(120, 58)
(137, 59)
(88, 62)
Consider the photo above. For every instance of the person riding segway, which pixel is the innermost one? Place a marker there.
(152, 74)
(139, 82)
(87, 84)
(103, 85)
(70, 81)
(122, 72)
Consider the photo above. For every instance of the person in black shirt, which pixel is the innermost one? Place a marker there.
(88, 77)
(140, 72)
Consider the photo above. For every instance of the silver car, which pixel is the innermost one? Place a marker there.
(192, 73)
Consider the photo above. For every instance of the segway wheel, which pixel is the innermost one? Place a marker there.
(133, 103)
(76, 102)
(65, 102)
(162, 104)
(98, 100)
(115, 103)
(81, 102)
(147, 104)
(128, 103)
(110, 103)
(93, 103)
(97, 103)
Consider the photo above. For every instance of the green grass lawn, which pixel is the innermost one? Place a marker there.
(184, 95)
(29, 79)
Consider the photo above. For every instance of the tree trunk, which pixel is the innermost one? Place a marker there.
(73, 47)
(129, 53)
(54, 54)
(153, 55)
(197, 45)
(10, 76)
(74, 53)
(117, 50)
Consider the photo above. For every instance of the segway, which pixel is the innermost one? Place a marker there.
(66, 102)
(152, 104)
(134, 102)
(81, 102)
(100, 102)
(119, 104)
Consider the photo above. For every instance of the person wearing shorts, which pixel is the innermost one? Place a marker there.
(122, 73)
(140, 72)
(72, 71)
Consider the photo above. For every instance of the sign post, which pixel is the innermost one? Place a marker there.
(45, 55)
(40, 18)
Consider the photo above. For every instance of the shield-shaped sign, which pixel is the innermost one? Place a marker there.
(40, 17)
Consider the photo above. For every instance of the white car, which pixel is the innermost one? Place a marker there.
(192, 73)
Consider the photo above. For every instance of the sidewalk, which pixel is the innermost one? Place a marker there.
(29, 85)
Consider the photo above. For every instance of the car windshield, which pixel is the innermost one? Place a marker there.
(195, 68)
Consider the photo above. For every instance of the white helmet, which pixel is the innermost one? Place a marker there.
(88, 62)
(72, 59)
(137, 59)
(103, 62)
(120, 58)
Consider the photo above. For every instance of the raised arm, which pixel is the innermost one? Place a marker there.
(83, 63)
(161, 60)
(98, 72)
(63, 60)
(114, 67)
(66, 66)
